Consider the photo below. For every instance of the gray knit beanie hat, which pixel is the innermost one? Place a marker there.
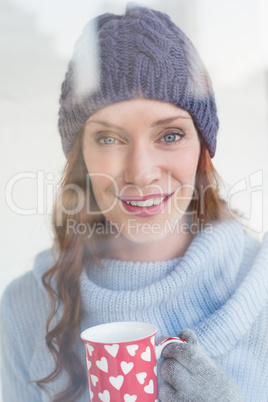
(140, 54)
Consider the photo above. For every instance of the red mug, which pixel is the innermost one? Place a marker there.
(121, 361)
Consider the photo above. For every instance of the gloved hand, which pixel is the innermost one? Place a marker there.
(191, 376)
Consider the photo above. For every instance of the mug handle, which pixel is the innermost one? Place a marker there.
(160, 347)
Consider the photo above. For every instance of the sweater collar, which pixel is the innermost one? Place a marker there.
(213, 257)
(222, 279)
(218, 277)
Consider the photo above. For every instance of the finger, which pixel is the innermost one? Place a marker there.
(184, 354)
(174, 373)
(179, 351)
(166, 393)
(189, 336)
(161, 338)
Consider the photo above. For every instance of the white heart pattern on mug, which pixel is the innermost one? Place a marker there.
(117, 381)
(126, 367)
(90, 349)
(112, 349)
(105, 396)
(102, 364)
(88, 364)
(91, 394)
(130, 398)
(149, 389)
(94, 379)
(132, 349)
(146, 356)
(141, 377)
(152, 340)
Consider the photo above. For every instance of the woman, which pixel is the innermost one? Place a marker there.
(141, 232)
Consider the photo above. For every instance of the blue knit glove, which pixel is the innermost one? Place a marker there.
(191, 376)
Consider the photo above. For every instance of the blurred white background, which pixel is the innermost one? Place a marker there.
(36, 43)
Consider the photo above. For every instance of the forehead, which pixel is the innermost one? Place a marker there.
(145, 109)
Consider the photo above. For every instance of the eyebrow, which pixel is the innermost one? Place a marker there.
(169, 120)
(156, 123)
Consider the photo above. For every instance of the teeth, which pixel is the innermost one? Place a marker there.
(132, 203)
(158, 201)
(147, 203)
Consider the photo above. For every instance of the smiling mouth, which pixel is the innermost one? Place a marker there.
(145, 206)
(147, 203)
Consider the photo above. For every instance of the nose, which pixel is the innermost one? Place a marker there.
(142, 167)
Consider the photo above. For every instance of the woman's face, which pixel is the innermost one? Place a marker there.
(142, 157)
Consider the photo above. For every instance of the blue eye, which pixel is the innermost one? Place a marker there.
(107, 140)
(173, 136)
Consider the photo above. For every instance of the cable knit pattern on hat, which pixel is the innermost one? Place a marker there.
(141, 54)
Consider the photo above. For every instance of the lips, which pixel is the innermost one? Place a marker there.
(147, 203)
(145, 206)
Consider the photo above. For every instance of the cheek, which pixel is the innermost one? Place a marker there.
(103, 183)
(103, 163)
(95, 163)
(184, 168)
(185, 174)
(103, 188)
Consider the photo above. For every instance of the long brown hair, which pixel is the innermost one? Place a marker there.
(73, 253)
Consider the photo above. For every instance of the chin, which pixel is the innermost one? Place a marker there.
(144, 232)
(144, 239)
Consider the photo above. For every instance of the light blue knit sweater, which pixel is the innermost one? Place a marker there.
(219, 289)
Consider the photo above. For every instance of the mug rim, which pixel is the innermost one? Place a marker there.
(152, 330)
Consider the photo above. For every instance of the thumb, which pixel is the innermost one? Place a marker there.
(189, 336)
(161, 338)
